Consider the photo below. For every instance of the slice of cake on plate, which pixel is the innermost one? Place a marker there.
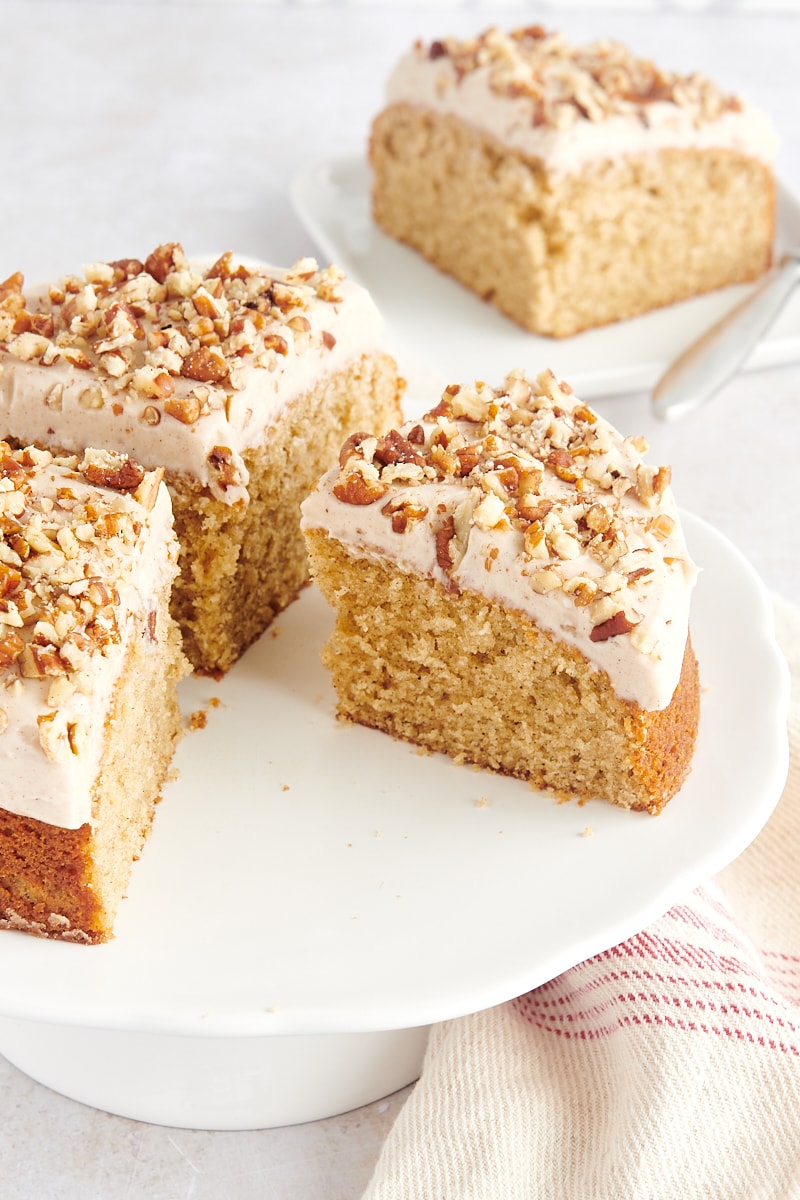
(89, 662)
(240, 379)
(512, 588)
(571, 186)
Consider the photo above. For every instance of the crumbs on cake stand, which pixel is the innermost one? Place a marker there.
(199, 718)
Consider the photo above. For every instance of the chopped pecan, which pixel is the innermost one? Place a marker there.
(223, 268)
(274, 341)
(563, 464)
(11, 646)
(185, 409)
(355, 488)
(394, 448)
(403, 513)
(617, 624)
(12, 286)
(10, 579)
(222, 463)
(163, 260)
(206, 365)
(112, 471)
(126, 268)
(352, 447)
(445, 533)
(468, 458)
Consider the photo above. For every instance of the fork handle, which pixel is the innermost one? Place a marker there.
(710, 361)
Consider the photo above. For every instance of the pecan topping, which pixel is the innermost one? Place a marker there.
(221, 462)
(11, 647)
(206, 365)
(355, 488)
(113, 471)
(564, 84)
(394, 448)
(563, 464)
(352, 447)
(163, 260)
(617, 624)
(185, 409)
(445, 533)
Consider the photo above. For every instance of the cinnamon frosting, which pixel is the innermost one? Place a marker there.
(181, 364)
(567, 106)
(87, 554)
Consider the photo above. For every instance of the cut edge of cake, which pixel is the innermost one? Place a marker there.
(512, 588)
(90, 659)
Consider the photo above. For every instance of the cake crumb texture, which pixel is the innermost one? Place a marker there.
(456, 674)
(512, 587)
(619, 233)
(244, 564)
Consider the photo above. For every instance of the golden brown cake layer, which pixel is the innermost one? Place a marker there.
(460, 675)
(245, 564)
(68, 883)
(560, 253)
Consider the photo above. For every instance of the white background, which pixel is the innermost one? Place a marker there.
(129, 124)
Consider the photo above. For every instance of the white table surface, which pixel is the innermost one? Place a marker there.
(125, 125)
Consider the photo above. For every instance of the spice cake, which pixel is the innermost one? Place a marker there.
(89, 662)
(571, 187)
(512, 588)
(241, 380)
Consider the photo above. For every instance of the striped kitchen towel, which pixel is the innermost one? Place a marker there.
(666, 1068)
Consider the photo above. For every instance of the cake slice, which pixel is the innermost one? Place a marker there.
(240, 379)
(571, 186)
(89, 662)
(512, 588)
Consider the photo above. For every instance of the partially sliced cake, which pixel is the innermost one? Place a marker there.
(512, 588)
(240, 379)
(571, 186)
(89, 662)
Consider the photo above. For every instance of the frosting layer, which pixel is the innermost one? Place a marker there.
(569, 106)
(179, 364)
(524, 495)
(87, 553)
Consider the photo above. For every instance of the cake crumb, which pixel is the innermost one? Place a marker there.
(483, 802)
(199, 718)
(285, 787)
(587, 831)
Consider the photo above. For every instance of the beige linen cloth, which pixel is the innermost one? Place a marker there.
(667, 1068)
